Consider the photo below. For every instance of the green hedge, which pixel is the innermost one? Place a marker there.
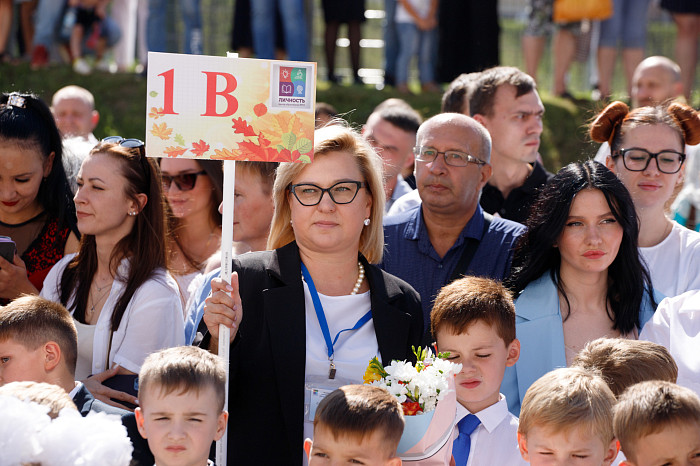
(120, 99)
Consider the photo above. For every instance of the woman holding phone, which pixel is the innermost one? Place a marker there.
(36, 209)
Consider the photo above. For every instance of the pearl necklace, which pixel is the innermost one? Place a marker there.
(360, 278)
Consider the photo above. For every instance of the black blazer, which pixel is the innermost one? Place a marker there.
(85, 402)
(266, 389)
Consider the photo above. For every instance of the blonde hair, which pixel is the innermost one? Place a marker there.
(622, 362)
(74, 92)
(328, 139)
(567, 398)
(649, 407)
(46, 394)
(183, 368)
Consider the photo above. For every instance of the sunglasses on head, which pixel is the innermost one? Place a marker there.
(130, 143)
(184, 182)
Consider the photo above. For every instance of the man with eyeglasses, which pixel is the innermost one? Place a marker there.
(391, 130)
(448, 234)
(505, 101)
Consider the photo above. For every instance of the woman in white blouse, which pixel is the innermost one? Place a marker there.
(648, 154)
(124, 302)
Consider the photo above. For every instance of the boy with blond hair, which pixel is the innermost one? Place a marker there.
(473, 319)
(622, 362)
(658, 422)
(567, 415)
(181, 397)
(356, 423)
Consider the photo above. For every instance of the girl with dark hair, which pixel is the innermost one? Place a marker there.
(193, 189)
(124, 302)
(36, 210)
(578, 273)
(647, 153)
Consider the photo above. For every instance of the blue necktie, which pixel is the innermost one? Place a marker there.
(462, 444)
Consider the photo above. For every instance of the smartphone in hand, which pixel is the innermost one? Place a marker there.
(7, 248)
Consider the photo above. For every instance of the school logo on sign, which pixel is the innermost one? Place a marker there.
(292, 85)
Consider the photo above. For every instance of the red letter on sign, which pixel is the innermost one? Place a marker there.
(231, 102)
(169, 77)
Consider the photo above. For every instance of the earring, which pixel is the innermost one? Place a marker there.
(366, 222)
(290, 222)
(131, 214)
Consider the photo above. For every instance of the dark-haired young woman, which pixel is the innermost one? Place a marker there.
(124, 302)
(648, 154)
(36, 210)
(578, 274)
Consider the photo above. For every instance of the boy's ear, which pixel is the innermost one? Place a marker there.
(308, 443)
(522, 446)
(513, 353)
(139, 422)
(395, 461)
(52, 355)
(221, 425)
(611, 452)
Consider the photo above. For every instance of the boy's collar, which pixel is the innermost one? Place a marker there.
(490, 416)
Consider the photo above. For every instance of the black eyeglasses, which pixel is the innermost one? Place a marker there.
(454, 158)
(636, 159)
(343, 192)
(184, 182)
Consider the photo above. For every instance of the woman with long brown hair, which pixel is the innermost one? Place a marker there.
(124, 302)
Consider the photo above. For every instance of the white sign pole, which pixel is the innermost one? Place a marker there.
(226, 261)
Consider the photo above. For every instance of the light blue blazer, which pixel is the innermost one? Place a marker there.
(538, 326)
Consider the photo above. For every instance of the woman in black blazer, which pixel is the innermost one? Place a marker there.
(326, 234)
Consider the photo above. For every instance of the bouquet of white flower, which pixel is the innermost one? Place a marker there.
(426, 393)
(419, 387)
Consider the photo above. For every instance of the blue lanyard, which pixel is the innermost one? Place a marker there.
(322, 317)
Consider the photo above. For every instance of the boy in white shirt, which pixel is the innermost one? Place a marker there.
(474, 320)
(181, 397)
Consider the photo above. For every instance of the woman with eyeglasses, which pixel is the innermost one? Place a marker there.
(193, 189)
(36, 209)
(124, 302)
(648, 154)
(577, 274)
(308, 316)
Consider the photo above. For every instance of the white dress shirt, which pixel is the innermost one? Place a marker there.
(495, 440)
(676, 326)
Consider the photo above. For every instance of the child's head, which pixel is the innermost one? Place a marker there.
(474, 320)
(181, 397)
(38, 342)
(623, 363)
(567, 414)
(357, 422)
(658, 422)
(45, 394)
(73, 108)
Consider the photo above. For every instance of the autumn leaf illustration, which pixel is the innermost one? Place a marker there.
(179, 140)
(262, 140)
(223, 154)
(161, 131)
(199, 148)
(296, 125)
(241, 126)
(252, 151)
(156, 113)
(303, 145)
(175, 151)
